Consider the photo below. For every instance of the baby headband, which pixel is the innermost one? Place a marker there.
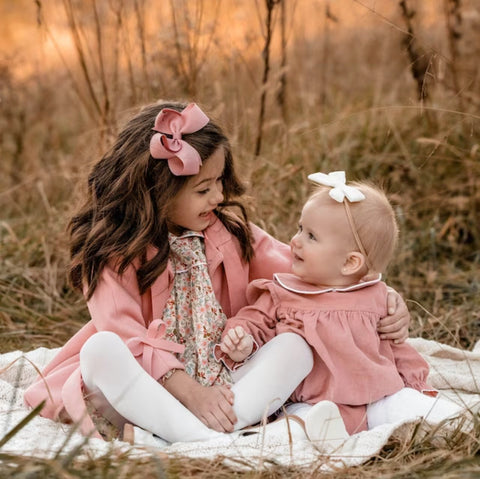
(183, 158)
(339, 192)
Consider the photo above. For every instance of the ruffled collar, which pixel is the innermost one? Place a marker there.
(292, 283)
(186, 234)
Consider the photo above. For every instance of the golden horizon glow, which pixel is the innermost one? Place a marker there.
(234, 28)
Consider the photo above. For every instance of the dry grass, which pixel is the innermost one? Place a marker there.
(419, 455)
(353, 106)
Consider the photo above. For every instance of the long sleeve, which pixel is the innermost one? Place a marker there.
(231, 274)
(271, 256)
(412, 367)
(117, 306)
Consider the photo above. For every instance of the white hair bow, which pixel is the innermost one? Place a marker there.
(340, 190)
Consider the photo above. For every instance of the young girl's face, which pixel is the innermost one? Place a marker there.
(322, 243)
(193, 207)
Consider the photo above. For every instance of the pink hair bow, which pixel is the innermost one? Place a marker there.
(182, 158)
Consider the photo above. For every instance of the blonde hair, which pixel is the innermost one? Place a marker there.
(374, 221)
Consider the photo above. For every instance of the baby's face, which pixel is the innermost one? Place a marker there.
(322, 243)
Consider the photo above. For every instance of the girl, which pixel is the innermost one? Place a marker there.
(162, 262)
(345, 232)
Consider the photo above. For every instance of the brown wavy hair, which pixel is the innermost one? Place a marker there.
(128, 197)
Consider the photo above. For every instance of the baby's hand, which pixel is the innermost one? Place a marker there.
(237, 344)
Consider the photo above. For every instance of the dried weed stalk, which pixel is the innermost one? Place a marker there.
(453, 20)
(191, 46)
(420, 60)
(270, 7)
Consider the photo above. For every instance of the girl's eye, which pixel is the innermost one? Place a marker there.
(203, 192)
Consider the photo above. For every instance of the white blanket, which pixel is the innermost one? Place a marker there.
(454, 371)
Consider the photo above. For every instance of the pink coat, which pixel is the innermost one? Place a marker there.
(117, 306)
(352, 366)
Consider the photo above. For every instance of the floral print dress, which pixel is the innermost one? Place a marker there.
(193, 316)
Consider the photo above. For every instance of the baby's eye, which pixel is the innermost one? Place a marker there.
(311, 236)
(300, 228)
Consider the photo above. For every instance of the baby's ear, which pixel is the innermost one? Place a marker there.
(354, 263)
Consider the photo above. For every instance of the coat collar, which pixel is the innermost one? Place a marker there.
(215, 235)
(216, 238)
(292, 283)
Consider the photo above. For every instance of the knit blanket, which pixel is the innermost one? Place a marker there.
(455, 372)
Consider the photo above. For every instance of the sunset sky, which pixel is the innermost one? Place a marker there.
(27, 48)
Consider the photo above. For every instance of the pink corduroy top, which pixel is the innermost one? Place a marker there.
(352, 366)
(116, 305)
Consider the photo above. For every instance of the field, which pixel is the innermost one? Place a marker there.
(388, 91)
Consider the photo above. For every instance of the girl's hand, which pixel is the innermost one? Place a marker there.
(212, 405)
(395, 325)
(237, 344)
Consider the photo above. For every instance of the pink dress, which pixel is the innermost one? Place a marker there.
(117, 306)
(352, 366)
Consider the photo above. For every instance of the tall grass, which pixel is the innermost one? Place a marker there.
(345, 78)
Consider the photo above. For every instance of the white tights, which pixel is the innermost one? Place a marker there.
(411, 404)
(124, 391)
(406, 404)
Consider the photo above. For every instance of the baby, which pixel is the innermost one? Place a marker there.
(334, 298)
